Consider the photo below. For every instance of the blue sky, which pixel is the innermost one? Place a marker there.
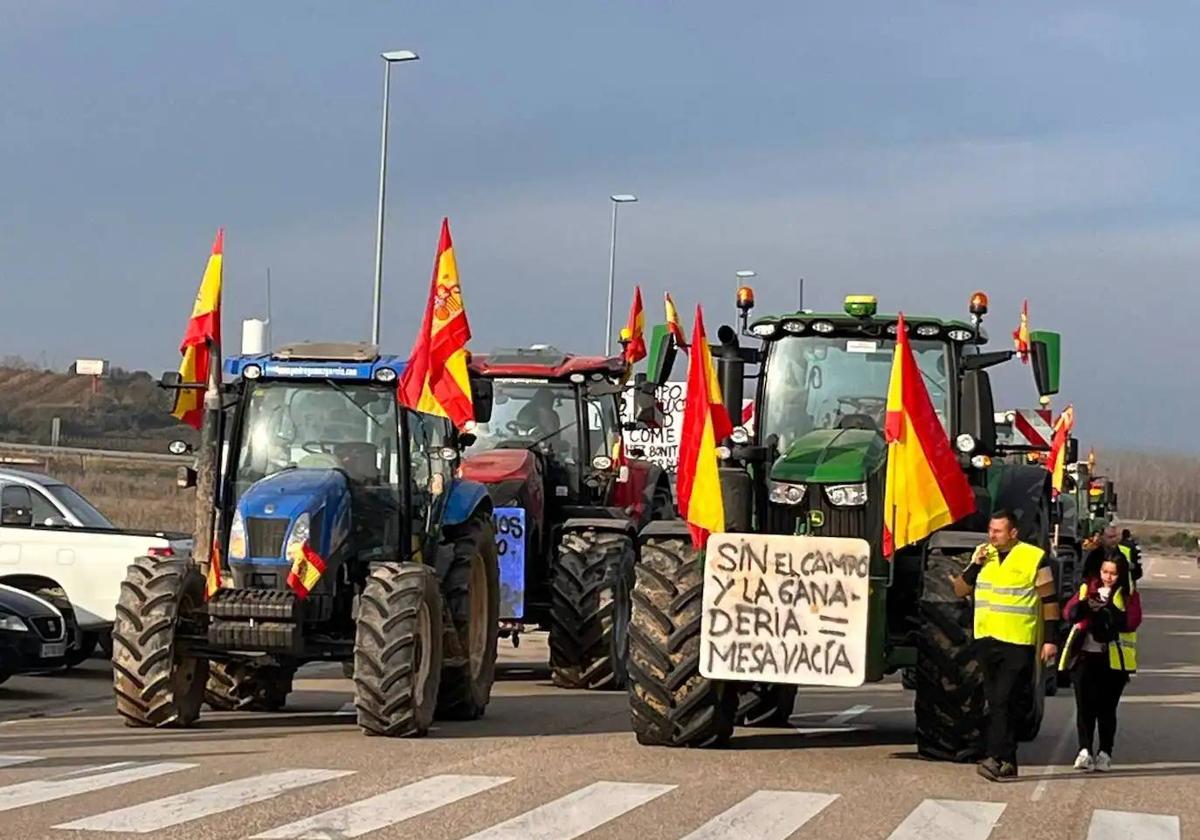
(918, 151)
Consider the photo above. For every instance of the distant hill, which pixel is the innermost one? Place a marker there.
(127, 411)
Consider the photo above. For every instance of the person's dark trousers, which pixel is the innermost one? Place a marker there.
(1005, 667)
(1097, 692)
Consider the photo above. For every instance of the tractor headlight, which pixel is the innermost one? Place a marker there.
(739, 435)
(13, 622)
(847, 495)
(602, 462)
(298, 536)
(783, 493)
(251, 372)
(237, 538)
(965, 443)
(385, 375)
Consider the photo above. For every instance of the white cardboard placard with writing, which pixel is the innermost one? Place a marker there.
(785, 609)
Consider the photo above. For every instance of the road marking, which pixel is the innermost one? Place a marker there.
(825, 730)
(1061, 754)
(1185, 577)
(576, 813)
(82, 781)
(765, 815)
(845, 717)
(203, 802)
(1159, 575)
(386, 809)
(10, 760)
(1126, 825)
(949, 819)
(1168, 617)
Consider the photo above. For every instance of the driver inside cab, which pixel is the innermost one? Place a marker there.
(538, 417)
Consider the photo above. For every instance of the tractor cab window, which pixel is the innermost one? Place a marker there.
(532, 414)
(604, 426)
(822, 382)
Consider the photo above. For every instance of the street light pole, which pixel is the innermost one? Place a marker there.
(389, 58)
(612, 264)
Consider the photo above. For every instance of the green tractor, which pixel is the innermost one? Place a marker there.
(797, 591)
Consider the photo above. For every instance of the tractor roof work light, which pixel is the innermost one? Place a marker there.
(979, 304)
(861, 306)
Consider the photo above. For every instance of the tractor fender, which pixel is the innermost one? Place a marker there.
(666, 529)
(617, 526)
(465, 498)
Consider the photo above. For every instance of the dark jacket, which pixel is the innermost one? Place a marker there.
(1104, 624)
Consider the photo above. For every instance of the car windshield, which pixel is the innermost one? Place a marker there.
(525, 412)
(79, 507)
(351, 426)
(820, 382)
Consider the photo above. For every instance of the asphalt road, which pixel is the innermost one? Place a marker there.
(546, 764)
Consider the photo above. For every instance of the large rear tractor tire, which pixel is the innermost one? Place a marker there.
(155, 683)
(471, 587)
(766, 704)
(398, 650)
(950, 704)
(589, 613)
(240, 686)
(670, 703)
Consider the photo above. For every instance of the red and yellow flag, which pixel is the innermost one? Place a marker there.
(674, 325)
(1021, 334)
(212, 580)
(926, 489)
(1055, 463)
(705, 424)
(436, 380)
(203, 330)
(307, 568)
(635, 347)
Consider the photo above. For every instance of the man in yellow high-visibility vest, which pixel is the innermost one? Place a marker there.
(1015, 596)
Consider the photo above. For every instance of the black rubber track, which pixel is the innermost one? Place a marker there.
(154, 686)
(671, 704)
(589, 614)
(466, 689)
(388, 650)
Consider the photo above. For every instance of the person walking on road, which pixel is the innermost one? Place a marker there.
(1101, 653)
(1111, 547)
(1015, 606)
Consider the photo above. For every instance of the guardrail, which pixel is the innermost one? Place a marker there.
(154, 457)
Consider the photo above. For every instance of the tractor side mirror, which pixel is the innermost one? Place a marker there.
(660, 361)
(16, 506)
(170, 379)
(482, 397)
(1072, 450)
(1046, 352)
(978, 411)
(646, 411)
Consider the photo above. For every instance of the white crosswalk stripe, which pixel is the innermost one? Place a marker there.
(215, 799)
(765, 815)
(84, 780)
(576, 813)
(1126, 825)
(386, 809)
(949, 819)
(12, 760)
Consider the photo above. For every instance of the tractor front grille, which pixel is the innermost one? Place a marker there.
(864, 522)
(265, 537)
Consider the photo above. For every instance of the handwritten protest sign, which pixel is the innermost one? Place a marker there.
(661, 445)
(785, 609)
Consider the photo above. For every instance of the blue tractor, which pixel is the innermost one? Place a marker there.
(343, 534)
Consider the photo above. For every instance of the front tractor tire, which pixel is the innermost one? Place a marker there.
(155, 683)
(589, 614)
(950, 704)
(671, 704)
(471, 587)
(240, 686)
(398, 650)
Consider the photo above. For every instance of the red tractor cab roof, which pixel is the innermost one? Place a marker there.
(544, 362)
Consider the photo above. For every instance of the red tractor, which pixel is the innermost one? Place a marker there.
(568, 502)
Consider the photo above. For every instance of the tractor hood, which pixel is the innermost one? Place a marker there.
(509, 474)
(271, 506)
(831, 456)
(287, 494)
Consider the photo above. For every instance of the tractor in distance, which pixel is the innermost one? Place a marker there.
(568, 502)
(797, 591)
(322, 465)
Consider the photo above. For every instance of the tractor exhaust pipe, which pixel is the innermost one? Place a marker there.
(731, 370)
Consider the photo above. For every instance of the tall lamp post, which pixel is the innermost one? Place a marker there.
(617, 200)
(389, 58)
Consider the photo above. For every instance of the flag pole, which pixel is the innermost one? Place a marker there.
(207, 462)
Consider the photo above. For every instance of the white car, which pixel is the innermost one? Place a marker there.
(55, 544)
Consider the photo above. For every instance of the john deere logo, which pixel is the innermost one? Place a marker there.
(815, 519)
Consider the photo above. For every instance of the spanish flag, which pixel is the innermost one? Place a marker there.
(926, 489)
(436, 380)
(307, 568)
(635, 347)
(674, 325)
(203, 330)
(705, 424)
(1021, 334)
(212, 580)
(1058, 449)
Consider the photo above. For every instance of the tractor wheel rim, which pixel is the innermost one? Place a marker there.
(477, 621)
(424, 660)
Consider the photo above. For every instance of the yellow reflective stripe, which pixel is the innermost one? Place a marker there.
(1014, 590)
(1004, 608)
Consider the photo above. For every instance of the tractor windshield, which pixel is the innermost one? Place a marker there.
(825, 382)
(351, 426)
(529, 413)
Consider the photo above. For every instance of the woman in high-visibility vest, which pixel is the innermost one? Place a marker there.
(1101, 653)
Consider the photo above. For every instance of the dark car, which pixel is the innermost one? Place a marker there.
(33, 634)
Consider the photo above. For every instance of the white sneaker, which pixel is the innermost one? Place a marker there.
(1083, 761)
(1103, 762)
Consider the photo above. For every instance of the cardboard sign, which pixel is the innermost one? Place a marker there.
(510, 546)
(661, 446)
(785, 609)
